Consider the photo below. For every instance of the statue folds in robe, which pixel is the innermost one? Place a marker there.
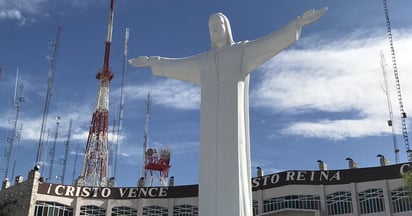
(223, 75)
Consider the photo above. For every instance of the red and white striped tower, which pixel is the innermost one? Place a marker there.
(94, 172)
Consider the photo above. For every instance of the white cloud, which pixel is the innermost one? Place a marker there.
(20, 10)
(168, 92)
(342, 76)
(10, 14)
(337, 129)
(27, 10)
(79, 113)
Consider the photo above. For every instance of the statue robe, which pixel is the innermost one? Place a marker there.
(223, 75)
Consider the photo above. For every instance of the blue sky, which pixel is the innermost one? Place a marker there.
(321, 99)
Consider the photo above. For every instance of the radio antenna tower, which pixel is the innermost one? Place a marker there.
(46, 149)
(66, 152)
(121, 110)
(55, 46)
(398, 85)
(18, 139)
(52, 151)
(156, 163)
(76, 157)
(390, 121)
(14, 135)
(95, 165)
(146, 134)
(112, 143)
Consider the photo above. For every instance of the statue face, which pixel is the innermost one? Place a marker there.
(218, 29)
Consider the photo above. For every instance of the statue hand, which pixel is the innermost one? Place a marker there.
(141, 61)
(311, 16)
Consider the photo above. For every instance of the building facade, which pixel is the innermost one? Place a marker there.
(361, 191)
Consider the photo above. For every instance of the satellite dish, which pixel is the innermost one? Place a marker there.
(149, 151)
(165, 154)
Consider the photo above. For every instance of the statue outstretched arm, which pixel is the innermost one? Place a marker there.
(259, 51)
(311, 16)
(141, 61)
(185, 69)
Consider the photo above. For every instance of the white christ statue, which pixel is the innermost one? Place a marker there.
(223, 75)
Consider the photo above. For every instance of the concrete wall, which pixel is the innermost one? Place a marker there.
(21, 198)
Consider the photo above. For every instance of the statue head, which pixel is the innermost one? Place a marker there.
(220, 31)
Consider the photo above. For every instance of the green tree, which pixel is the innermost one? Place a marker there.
(407, 177)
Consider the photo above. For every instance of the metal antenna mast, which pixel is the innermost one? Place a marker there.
(53, 148)
(50, 79)
(156, 162)
(120, 123)
(76, 157)
(10, 140)
(112, 143)
(390, 121)
(46, 146)
(95, 166)
(398, 86)
(66, 151)
(146, 133)
(18, 139)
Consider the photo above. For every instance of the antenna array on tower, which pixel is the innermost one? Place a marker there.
(52, 151)
(76, 157)
(121, 107)
(14, 134)
(390, 121)
(146, 133)
(66, 151)
(50, 79)
(95, 165)
(18, 139)
(155, 163)
(398, 85)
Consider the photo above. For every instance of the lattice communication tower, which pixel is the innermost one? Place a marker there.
(398, 85)
(95, 165)
(156, 163)
(388, 98)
